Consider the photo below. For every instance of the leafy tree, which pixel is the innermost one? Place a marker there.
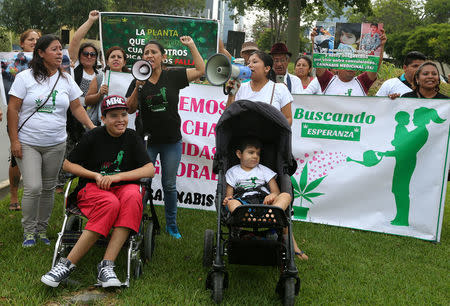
(437, 11)
(304, 9)
(46, 15)
(5, 40)
(20, 15)
(396, 15)
(171, 7)
(432, 40)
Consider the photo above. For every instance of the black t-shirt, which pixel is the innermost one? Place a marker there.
(100, 152)
(415, 94)
(158, 105)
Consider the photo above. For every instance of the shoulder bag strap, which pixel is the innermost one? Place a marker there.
(40, 106)
(273, 90)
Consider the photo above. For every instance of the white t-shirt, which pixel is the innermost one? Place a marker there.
(339, 88)
(392, 86)
(281, 95)
(47, 127)
(256, 177)
(296, 83)
(313, 88)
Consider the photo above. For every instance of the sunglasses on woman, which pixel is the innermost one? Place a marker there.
(89, 54)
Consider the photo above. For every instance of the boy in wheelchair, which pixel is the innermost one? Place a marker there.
(110, 160)
(246, 184)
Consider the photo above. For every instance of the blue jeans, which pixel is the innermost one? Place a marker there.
(170, 156)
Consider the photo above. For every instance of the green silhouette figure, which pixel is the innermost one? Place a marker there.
(407, 145)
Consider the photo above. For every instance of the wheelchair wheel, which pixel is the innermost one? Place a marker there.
(138, 268)
(73, 224)
(289, 292)
(217, 286)
(208, 253)
(149, 241)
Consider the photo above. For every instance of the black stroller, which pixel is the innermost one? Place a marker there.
(261, 120)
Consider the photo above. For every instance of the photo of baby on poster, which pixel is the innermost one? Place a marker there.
(348, 46)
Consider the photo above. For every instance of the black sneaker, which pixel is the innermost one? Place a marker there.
(58, 273)
(106, 275)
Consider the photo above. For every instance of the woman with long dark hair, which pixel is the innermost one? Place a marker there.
(426, 83)
(157, 99)
(37, 109)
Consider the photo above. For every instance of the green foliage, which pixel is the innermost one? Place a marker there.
(278, 12)
(432, 40)
(395, 45)
(437, 11)
(46, 15)
(170, 7)
(5, 40)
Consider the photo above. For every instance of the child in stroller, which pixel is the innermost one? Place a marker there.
(252, 120)
(246, 182)
(109, 161)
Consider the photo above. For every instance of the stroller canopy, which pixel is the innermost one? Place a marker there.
(245, 118)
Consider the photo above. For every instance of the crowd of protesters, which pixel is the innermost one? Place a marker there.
(43, 134)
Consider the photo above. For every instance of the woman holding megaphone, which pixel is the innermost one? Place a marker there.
(262, 86)
(157, 100)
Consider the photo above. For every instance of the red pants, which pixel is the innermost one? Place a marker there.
(121, 206)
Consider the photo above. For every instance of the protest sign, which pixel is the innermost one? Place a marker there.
(352, 46)
(132, 31)
(371, 163)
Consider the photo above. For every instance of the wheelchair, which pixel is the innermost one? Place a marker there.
(139, 246)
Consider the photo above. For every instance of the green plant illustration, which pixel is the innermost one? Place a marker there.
(303, 190)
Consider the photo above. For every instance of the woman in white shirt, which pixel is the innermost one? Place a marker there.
(39, 99)
(262, 87)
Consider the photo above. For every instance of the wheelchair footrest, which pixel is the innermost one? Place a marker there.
(254, 252)
(258, 216)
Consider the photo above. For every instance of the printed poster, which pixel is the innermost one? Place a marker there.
(132, 31)
(350, 46)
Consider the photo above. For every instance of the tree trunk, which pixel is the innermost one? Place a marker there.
(293, 27)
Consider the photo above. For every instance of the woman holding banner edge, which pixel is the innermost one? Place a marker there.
(157, 99)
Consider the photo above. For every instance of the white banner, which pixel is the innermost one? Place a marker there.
(373, 163)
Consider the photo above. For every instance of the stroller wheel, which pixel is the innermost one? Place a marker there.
(208, 248)
(149, 241)
(217, 287)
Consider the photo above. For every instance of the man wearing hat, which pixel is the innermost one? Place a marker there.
(281, 55)
(247, 49)
(110, 160)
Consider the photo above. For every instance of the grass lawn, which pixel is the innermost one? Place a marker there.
(346, 267)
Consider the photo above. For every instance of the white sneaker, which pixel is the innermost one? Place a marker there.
(106, 275)
(58, 273)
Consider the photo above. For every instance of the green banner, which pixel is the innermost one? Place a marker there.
(131, 31)
(346, 61)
